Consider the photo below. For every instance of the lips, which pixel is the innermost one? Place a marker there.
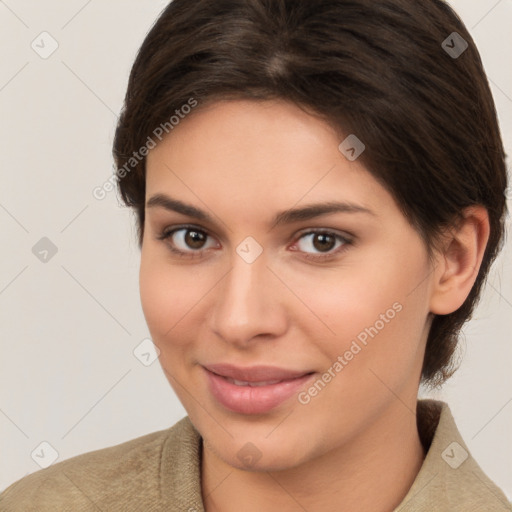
(252, 384)
(254, 390)
(255, 374)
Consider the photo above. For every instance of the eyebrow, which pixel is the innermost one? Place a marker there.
(284, 217)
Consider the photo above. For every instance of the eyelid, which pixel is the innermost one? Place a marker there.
(342, 234)
(331, 231)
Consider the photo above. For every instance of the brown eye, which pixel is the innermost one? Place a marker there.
(322, 243)
(186, 241)
(194, 239)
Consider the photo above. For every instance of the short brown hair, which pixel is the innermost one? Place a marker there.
(379, 70)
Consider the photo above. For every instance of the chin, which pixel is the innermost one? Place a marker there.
(261, 454)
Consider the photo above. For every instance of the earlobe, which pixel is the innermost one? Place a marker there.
(459, 261)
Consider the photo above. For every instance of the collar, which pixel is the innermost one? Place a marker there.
(449, 479)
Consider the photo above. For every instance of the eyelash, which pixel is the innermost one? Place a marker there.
(167, 233)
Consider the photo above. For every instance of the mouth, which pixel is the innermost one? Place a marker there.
(254, 390)
(253, 384)
(259, 374)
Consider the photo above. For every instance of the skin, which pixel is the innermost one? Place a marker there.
(355, 445)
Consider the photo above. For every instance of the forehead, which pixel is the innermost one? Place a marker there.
(244, 155)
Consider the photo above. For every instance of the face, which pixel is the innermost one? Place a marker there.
(335, 301)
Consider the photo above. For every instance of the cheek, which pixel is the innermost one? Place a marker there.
(368, 312)
(166, 297)
(376, 351)
(174, 300)
(165, 294)
(339, 305)
(153, 295)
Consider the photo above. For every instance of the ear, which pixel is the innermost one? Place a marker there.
(459, 260)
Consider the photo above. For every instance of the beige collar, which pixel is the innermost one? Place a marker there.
(449, 479)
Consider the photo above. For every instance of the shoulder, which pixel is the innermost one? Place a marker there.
(113, 478)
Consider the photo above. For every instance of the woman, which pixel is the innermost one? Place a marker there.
(317, 213)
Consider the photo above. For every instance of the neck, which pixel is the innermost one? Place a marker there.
(371, 473)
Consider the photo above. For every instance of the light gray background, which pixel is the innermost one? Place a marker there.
(68, 327)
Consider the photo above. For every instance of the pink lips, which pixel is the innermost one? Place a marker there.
(269, 386)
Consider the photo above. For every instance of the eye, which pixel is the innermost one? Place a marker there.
(189, 241)
(183, 239)
(323, 241)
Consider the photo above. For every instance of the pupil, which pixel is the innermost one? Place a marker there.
(194, 239)
(323, 237)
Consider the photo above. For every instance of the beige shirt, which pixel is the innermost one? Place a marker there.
(161, 472)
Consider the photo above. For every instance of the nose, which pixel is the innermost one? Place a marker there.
(248, 303)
